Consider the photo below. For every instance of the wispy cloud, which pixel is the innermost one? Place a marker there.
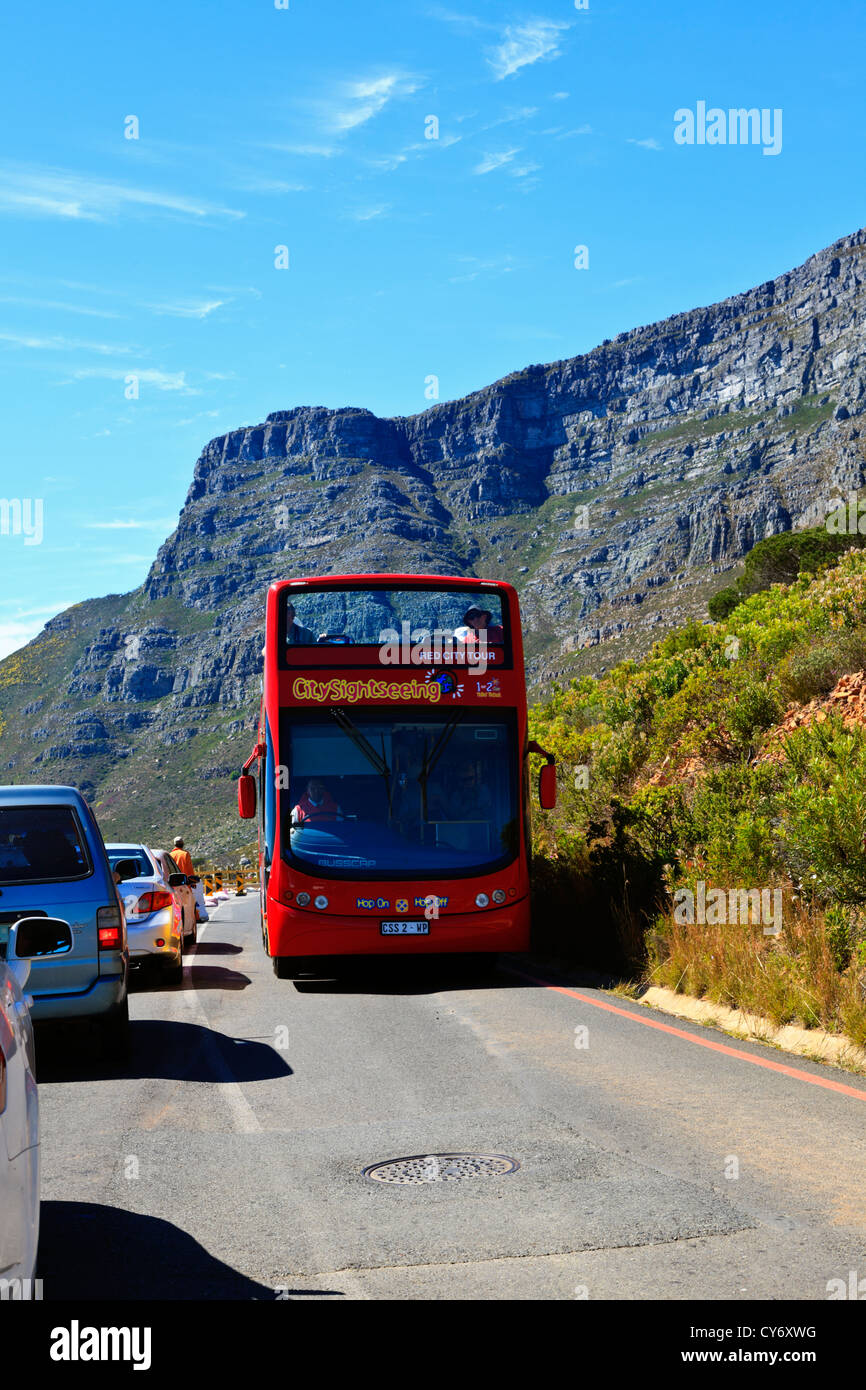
(34, 192)
(58, 306)
(369, 214)
(149, 376)
(475, 267)
(185, 309)
(261, 183)
(358, 102)
(524, 44)
(57, 343)
(645, 144)
(457, 19)
(522, 113)
(194, 419)
(308, 149)
(495, 161)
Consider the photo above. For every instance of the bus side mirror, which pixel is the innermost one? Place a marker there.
(246, 796)
(547, 786)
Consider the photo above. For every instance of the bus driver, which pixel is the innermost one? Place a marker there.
(315, 805)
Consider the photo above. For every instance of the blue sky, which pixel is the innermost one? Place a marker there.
(409, 257)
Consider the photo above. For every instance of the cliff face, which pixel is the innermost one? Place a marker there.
(614, 489)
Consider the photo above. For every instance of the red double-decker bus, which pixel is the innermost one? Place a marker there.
(393, 774)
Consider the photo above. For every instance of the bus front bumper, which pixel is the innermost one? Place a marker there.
(292, 932)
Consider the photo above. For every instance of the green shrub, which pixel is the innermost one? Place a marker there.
(823, 809)
(722, 604)
(754, 708)
(814, 671)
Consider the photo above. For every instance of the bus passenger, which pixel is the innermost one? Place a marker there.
(315, 805)
(478, 620)
(296, 635)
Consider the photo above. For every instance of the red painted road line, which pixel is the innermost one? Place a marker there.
(701, 1042)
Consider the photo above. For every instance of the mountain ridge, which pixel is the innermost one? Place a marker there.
(616, 489)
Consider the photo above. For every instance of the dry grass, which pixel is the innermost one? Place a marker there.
(792, 978)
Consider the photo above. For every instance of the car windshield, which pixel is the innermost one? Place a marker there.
(41, 843)
(381, 616)
(369, 795)
(144, 868)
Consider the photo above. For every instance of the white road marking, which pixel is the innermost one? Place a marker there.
(243, 1116)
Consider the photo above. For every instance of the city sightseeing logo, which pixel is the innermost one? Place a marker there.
(446, 682)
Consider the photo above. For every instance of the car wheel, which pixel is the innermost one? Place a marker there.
(283, 967)
(193, 936)
(114, 1033)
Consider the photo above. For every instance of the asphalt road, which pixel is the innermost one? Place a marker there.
(225, 1161)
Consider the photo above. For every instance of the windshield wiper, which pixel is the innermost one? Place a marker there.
(363, 744)
(432, 758)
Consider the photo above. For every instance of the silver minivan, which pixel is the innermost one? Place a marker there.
(53, 864)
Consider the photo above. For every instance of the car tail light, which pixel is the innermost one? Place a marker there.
(154, 902)
(109, 928)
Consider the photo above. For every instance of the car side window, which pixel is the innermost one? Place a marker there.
(170, 865)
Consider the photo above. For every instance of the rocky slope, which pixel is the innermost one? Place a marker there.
(615, 489)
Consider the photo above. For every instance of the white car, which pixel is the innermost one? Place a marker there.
(159, 906)
(29, 937)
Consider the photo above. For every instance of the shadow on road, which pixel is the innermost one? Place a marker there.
(216, 948)
(167, 1050)
(382, 975)
(89, 1251)
(149, 979)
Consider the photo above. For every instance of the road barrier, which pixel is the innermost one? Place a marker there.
(244, 879)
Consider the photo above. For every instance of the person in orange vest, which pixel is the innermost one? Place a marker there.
(315, 805)
(183, 860)
(182, 857)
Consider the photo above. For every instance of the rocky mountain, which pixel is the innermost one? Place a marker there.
(616, 489)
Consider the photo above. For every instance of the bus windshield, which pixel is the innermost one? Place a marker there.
(369, 794)
(373, 616)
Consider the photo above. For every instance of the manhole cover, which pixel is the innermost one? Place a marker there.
(441, 1168)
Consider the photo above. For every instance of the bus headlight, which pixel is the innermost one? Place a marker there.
(499, 895)
(482, 900)
(303, 900)
(321, 901)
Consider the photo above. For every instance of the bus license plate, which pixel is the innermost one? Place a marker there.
(405, 928)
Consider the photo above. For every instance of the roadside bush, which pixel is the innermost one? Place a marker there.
(755, 707)
(722, 604)
(816, 670)
(822, 810)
